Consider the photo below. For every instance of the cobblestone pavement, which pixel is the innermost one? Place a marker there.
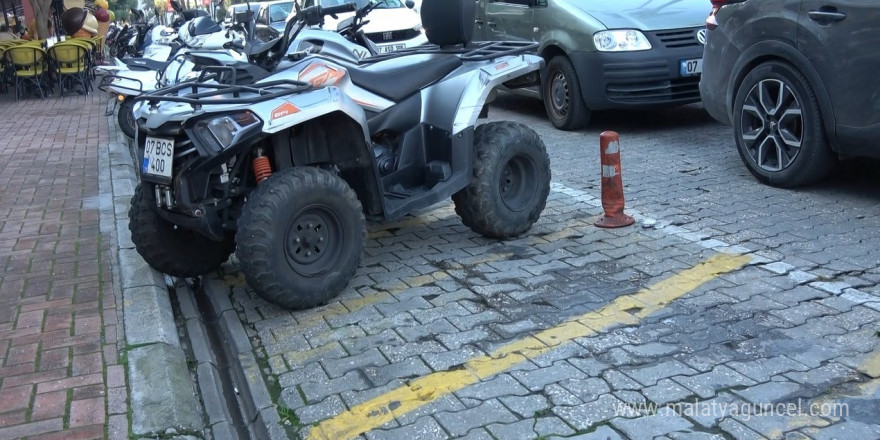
(731, 310)
(60, 373)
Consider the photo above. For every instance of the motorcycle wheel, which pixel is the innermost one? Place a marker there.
(166, 247)
(300, 237)
(125, 118)
(511, 181)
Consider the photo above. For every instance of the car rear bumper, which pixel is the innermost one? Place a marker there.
(637, 79)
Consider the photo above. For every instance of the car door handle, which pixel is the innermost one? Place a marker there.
(826, 16)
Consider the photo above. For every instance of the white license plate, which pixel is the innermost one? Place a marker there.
(391, 48)
(691, 67)
(158, 157)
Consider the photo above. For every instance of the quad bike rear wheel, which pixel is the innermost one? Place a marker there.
(164, 246)
(125, 117)
(300, 237)
(511, 181)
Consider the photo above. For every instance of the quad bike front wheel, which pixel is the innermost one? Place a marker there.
(125, 117)
(511, 181)
(168, 248)
(300, 237)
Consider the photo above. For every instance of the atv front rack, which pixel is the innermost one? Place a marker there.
(107, 81)
(202, 92)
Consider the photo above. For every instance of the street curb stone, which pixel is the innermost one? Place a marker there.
(163, 398)
(148, 317)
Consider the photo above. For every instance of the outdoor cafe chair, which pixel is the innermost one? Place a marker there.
(27, 65)
(3, 77)
(70, 63)
(92, 48)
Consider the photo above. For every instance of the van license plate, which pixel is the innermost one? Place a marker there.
(691, 67)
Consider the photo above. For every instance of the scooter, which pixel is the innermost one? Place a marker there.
(285, 171)
(126, 79)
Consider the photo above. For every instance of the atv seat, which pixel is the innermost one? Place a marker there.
(399, 77)
(145, 64)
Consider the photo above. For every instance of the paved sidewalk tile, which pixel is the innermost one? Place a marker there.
(59, 330)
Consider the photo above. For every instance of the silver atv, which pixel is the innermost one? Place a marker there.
(285, 171)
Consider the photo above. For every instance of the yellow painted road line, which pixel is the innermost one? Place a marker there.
(624, 309)
(871, 364)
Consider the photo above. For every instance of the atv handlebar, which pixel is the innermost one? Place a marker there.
(234, 46)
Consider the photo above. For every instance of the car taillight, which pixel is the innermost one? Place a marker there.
(711, 23)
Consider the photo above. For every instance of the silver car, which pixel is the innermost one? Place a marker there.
(797, 79)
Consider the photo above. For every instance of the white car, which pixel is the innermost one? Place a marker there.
(392, 25)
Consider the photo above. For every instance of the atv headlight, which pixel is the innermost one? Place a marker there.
(222, 132)
(620, 41)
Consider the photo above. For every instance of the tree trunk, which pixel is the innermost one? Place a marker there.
(41, 16)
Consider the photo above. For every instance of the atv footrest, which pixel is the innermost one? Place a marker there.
(436, 172)
(399, 192)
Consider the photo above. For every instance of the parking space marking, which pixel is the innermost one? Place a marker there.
(628, 309)
(830, 408)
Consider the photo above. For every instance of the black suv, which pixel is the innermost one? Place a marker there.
(798, 80)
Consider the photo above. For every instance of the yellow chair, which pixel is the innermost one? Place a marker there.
(99, 48)
(27, 65)
(3, 78)
(38, 43)
(89, 46)
(70, 62)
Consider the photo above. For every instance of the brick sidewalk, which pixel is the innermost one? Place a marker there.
(60, 369)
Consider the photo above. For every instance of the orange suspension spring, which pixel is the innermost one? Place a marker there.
(262, 168)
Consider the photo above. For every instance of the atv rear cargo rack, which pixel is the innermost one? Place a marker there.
(209, 93)
(478, 51)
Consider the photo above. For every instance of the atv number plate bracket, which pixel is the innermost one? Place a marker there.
(158, 157)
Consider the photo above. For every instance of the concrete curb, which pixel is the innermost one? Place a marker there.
(162, 397)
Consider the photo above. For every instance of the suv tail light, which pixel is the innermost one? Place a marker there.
(711, 23)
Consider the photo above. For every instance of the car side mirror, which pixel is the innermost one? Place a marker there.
(410, 4)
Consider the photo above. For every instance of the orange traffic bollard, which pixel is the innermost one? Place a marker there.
(612, 183)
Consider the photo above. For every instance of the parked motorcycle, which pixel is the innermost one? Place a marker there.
(131, 77)
(284, 171)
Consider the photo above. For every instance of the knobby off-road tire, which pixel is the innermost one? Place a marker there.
(778, 127)
(511, 181)
(300, 237)
(562, 96)
(176, 251)
(125, 117)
